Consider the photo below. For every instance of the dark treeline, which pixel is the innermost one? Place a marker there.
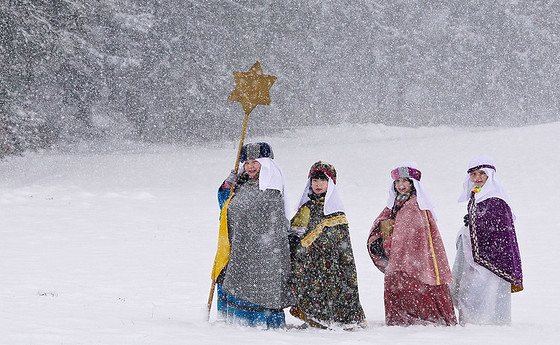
(161, 70)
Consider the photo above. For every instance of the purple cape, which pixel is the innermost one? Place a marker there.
(493, 239)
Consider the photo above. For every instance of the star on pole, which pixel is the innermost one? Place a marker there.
(252, 88)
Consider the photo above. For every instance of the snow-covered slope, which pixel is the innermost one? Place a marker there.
(117, 247)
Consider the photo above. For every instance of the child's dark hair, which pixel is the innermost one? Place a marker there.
(319, 175)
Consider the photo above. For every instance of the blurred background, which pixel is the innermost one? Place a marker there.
(161, 70)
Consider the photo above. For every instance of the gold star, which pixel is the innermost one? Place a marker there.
(251, 88)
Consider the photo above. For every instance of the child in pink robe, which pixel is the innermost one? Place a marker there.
(412, 256)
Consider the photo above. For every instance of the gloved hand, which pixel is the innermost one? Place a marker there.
(232, 178)
(466, 220)
(296, 231)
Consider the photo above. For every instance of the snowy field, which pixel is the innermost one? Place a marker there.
(116, 246)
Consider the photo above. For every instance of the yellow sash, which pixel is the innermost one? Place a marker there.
(222, 253)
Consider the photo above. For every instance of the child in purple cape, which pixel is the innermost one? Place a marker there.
(487, 267)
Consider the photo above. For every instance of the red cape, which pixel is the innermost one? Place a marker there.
(415, 247)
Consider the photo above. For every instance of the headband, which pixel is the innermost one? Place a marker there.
(323, 170)
(478, 167)
(406, 172)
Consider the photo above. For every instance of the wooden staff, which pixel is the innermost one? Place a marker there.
(210, 298)
(245, 122)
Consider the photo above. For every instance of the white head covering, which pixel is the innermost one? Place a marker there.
(333, 203)
(271, 177)
(492, 188)
(423, 200)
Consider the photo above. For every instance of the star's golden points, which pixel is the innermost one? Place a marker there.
(252, 88)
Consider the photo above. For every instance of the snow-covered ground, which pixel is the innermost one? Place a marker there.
(117, 247)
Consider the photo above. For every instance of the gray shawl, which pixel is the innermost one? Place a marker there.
(259, 262)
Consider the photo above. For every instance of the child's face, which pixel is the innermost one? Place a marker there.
(252, 167)
(403, 186)
(479, 178)
(319, 186)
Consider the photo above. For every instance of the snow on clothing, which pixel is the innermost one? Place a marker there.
(415, 266)
(271, 177)
(488, 254)
(493, 239)
(252, 265)
(332, 203)
(241, 312)
(492, 232)
(324, 273)
(481, 297)
(410, 170)
(257, 273)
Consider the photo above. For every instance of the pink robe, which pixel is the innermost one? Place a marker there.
(416, 269)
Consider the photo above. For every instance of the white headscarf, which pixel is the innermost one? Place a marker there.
(271, 177)
(333, 203)
(423, 200)
(492, 188)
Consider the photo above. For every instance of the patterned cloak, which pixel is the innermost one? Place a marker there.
(493, 239)
(324, 273)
